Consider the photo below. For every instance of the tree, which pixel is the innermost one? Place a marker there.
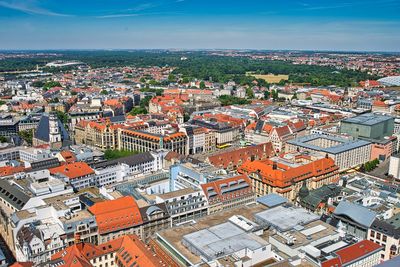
(267, 94)
(275, 94)
(142, 80)
(104, 92)
(202, 85)
(171, 78)
(249, 93)
(294, 97)
(186, 117)
(63, 117)
(26, 135)
(227, 100)
(138, 110)
(37, 84)
(50, 84)
(3, 139)
(110, 154)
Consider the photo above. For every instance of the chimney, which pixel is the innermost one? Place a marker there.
(274, 166)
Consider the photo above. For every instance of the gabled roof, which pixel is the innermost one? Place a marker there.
(13, 195)
(226, 189)
(117, 214)
(242, 155)
(73, 170)
(128, 249)
(357, 251)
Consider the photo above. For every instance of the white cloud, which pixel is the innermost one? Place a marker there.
(30, 7)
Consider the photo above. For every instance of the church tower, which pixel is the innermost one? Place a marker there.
(54, 131)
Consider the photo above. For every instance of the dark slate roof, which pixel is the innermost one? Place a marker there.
(27, 233)
(13, 195)
(147, 211)
(386, 228)
(319, 195)
(43, 129)
(357, 213)
(129, 160)
(116, 119)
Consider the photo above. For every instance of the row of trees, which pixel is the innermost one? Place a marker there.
(369, 166)
(110, 154)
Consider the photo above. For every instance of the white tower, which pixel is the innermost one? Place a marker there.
(54, 130)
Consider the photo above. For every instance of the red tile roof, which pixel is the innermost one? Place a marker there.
(68, 156)
(283, 174)
(22, 264)
(214, 190)
(115, 215)
(73, 170)
(357, 251)
(10, 170)
(240, 156)
(80, 254)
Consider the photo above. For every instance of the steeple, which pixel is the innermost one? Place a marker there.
(303, 192)
(54, 130)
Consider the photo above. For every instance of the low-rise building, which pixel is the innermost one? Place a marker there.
(127, 250)
(228, 193)
(78, 174)
(184, 205)
(387, 234)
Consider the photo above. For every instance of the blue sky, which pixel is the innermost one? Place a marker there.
(362, 25)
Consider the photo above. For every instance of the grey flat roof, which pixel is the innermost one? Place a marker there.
(272, 200)
(286, 218)
(368, 119)
(357, 213)
(344, 145)
(222, 239)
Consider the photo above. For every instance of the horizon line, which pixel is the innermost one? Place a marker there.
(196, 49)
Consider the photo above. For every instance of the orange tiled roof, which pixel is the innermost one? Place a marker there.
(379, 103)
(68, 156)
(240, 156)
(10, 170)
(284, 174)
(231, 182)
(352, 253)
(118, 214)
(73, 170)
(22, 264)
(79, 255)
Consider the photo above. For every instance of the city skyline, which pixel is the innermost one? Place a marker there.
(187, 24)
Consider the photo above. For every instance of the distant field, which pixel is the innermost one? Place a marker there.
(270, 78)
